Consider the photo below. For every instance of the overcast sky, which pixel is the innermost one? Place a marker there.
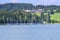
(35, 2)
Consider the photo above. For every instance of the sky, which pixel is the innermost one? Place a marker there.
(34, 2)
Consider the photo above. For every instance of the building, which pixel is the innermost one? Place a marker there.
(34, 11)
(27, 10)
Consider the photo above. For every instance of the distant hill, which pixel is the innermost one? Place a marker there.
(21, 6)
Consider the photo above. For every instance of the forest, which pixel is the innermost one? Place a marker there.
(14, 13)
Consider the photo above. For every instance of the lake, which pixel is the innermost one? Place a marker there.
(30, 32)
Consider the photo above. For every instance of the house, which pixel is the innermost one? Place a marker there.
(37, 11)
(34, 11)
(27, 10)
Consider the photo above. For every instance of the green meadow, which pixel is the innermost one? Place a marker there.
(55, 16)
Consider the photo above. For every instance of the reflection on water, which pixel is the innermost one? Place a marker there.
(30, 32)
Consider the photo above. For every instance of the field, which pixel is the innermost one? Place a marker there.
(55, 16)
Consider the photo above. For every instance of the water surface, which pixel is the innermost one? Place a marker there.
(30, 32)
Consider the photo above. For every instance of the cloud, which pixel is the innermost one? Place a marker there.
(14, 1)
(47, 2)
(43, 2)
(36, 2)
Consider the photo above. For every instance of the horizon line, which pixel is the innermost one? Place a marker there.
(33, 4)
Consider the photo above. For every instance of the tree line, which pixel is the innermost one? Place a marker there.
(17, 16)
(20, 16)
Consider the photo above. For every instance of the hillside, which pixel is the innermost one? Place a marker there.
(21, 6)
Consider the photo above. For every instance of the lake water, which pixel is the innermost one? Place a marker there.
(30, 32)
